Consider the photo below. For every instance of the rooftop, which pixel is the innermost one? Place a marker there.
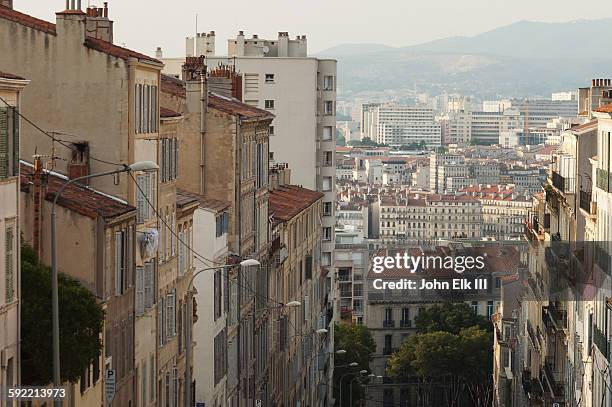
(93, 43)
(77, 198)
(605, 108)
(214, 205)
(6, 75)
(236, 107)
(165, 113)
(287, 201)
(173, 86)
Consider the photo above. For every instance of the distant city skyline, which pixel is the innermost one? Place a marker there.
(390, 22)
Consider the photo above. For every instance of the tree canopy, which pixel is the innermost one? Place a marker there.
(359, 345)
(81, 322)
(450, 317)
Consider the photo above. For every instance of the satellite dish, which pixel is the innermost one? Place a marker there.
(266, 49)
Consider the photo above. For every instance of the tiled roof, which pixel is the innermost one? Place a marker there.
(235, 107)
(214, 205)
(585, 126)
(116, 51)
(287, 201)
(93, 43)
(28, 21)
(605, 108)
(76, 198)
(450, 198)
(6, 75)
(173, 86)
(167, 113)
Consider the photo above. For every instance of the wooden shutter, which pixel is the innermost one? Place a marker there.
(140, 201)
(15, 113)
(181, 253)
(153, 198)
(4, 142)
(10, 264)
(161, 323)
(148, 284)
(170, 314)
(140, 290)
(118, 263)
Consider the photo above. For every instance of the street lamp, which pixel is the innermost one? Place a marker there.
(352, 364)
(243, 263)
(340, 352)
(362, 373)
(147, 166)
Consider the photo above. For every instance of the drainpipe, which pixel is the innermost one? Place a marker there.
(203, 129)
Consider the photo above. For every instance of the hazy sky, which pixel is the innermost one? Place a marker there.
(145, 24)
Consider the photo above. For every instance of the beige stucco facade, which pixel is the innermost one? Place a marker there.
(10, 277)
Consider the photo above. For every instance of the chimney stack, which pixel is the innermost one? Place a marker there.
(98, 24)
(159, 54)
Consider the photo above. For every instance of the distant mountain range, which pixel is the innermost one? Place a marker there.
(521, 59)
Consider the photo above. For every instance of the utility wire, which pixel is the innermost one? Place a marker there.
(200, 257)
(55, 139)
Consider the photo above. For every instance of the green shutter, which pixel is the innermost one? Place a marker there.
(10, 264)
(16, 155)
(4, 142)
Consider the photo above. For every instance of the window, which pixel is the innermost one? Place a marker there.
(269, 78)
(9, 142)
(146, 109)
(327, 183)
(271, 133)
(328, 158)
(222, 224)
(327, 208)
(220, 356)
(146, 196)
(388, 314)
(326, 258)
(9, 242)
(269, 104)
(171, 313)
(405, 315)
(140, 301)
(327, 133)
(328, 107)
(218, 294)
(327, 233)
(475, 307)
(328, 83)
(168, 159)
(143, 388)
(181, 250)
(489, 309)
(121, 261)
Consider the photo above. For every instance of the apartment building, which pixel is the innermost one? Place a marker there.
(122, 124)
(103, 237)
(537, 113)
(225, 157)
(294, 367)
(212, 293)
(503, 210)
(390, 314)
(443, 166)
(562, 334)
(398, 125)
(10, 276)
(459, 127)
(421, 218)
(487, 126)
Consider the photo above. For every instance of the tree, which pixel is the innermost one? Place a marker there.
(81, 322)
(340, 140)
(451, 351)
(450, 317)
(359, 345)
(453, 362)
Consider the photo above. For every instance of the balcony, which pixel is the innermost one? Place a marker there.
(406, 324)
(604, 180)
(601, 341)
(563, 184)
(554, 377)
(388, 324)
(554, 318)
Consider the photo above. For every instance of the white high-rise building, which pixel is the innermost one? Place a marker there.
(398, 125)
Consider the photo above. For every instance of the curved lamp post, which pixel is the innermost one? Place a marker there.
(147, 166)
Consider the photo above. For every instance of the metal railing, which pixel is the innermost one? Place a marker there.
(562, 183)
(585, 200)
